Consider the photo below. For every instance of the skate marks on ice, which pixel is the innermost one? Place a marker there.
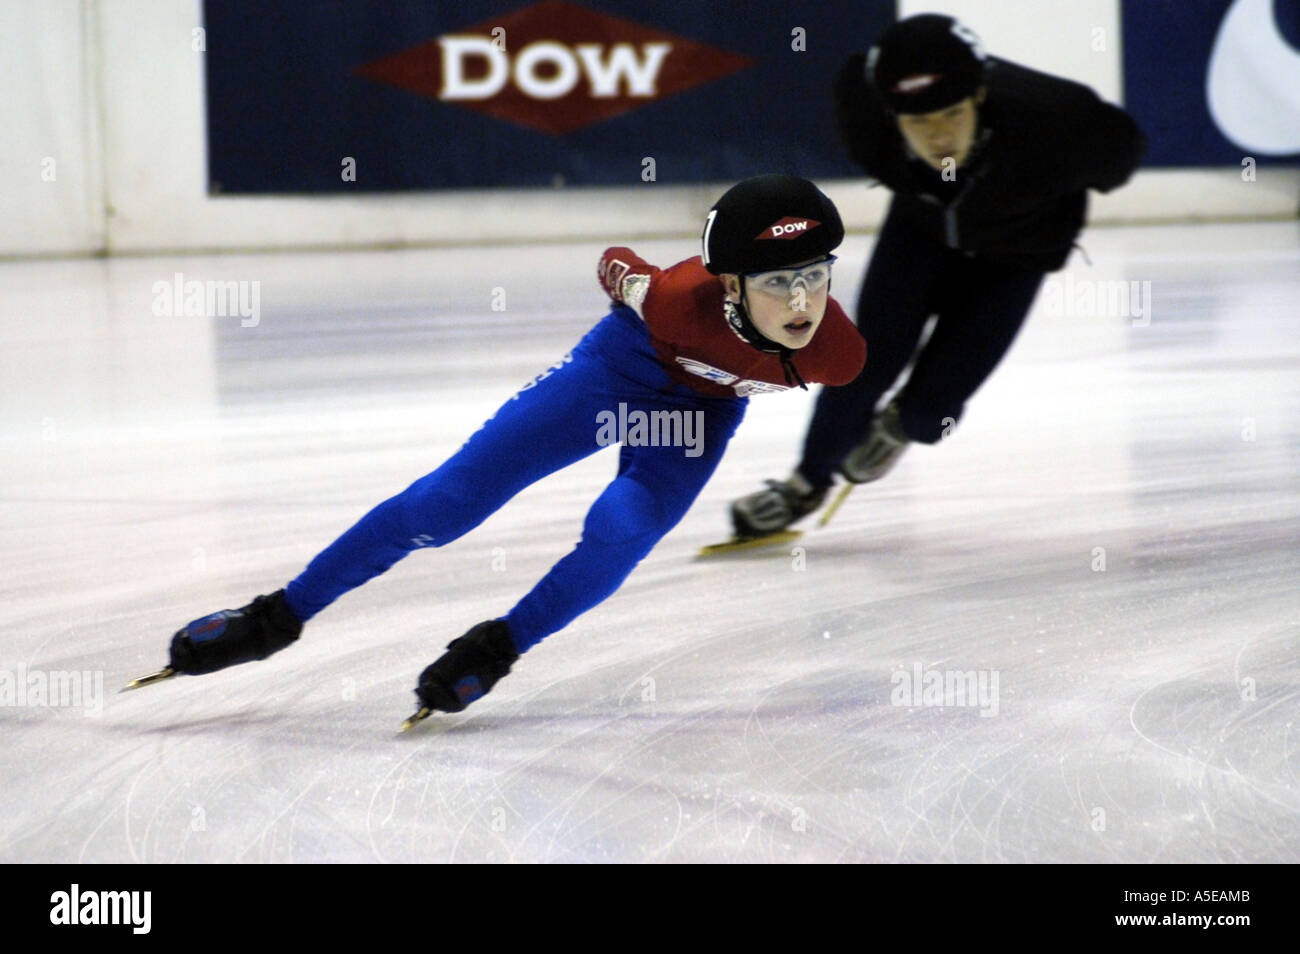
(596, 763)
(227, 767)
(795, 771)
(1231, 746)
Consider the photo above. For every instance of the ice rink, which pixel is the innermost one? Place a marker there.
(1109, 544)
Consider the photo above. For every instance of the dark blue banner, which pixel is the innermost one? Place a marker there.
(320, 97)
(1214, 81)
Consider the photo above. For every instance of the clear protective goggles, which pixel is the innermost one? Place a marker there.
(782, 282)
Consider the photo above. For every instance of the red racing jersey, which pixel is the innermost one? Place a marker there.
(682, 309)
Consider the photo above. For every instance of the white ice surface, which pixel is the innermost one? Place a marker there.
(158, 468)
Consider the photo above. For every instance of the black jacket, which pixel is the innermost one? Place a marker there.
(1021, 197)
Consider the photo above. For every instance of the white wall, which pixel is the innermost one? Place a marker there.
(49, 128)
(113, 91)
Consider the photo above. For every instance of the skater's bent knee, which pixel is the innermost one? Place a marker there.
(626, 513)
(928, 425)
(433, 516)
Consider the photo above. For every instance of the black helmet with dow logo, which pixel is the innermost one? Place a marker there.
(769, 222)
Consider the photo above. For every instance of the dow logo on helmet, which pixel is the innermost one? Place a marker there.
(788, 228)
(914, 84)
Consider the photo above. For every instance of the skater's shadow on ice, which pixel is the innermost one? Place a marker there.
(561, 718)
(259, 726)
(221, 722)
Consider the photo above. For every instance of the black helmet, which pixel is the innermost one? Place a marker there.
(769, 222)
(925, 63)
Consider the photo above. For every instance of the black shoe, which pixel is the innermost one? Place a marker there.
(255, 631)
(879, 451)
(774, 509)
(469, 668)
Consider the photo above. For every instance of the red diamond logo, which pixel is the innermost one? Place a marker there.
(555, 67)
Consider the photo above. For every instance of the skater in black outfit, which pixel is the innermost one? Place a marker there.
(989, 163)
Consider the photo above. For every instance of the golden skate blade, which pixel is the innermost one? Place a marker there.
(737, 544)
(835, 504)
(164, 673)
(420, 716)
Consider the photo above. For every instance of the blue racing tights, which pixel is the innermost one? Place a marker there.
(551, 423)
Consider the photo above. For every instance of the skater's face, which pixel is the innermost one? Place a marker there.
(947, 133)
(786, 305)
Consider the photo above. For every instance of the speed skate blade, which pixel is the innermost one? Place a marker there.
(165, 673)
(736, 544)
(419, 716)
(835, 504)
